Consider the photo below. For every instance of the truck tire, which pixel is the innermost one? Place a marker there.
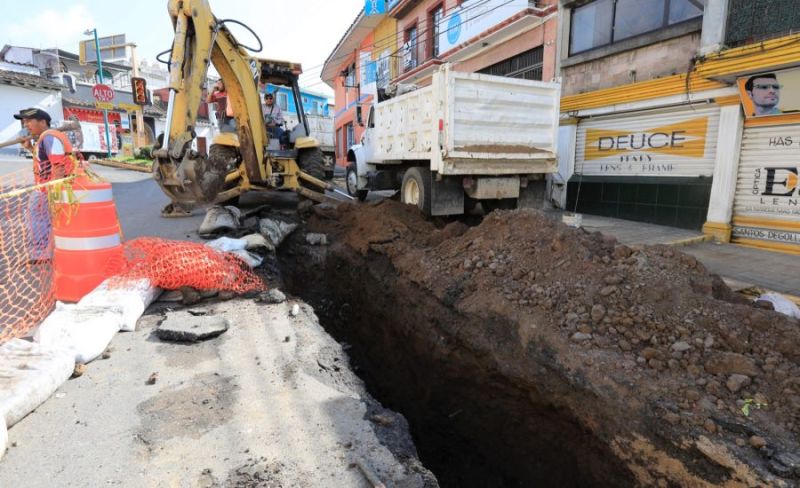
(351, 182)
(416, 189)
(310, 161)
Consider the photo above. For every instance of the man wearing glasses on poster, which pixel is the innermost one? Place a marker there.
(765, 92)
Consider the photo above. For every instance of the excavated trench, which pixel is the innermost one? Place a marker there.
(475, 421)
(525, 353)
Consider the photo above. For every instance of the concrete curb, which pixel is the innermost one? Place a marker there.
(689, 241)
(121, 165)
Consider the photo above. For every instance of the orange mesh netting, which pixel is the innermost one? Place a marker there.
(173, 264)
(26, 249)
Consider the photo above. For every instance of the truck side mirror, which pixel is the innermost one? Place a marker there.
(359, 117)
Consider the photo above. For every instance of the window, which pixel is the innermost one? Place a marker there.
(283, 101)
(434, 29)
(410, 48)
(755, 20)
(350, 135)
(350, 76)
(605, 22)
(527, 65)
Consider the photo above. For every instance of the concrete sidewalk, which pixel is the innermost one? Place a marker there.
(740, 266)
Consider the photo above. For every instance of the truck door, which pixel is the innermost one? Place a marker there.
(368, 138)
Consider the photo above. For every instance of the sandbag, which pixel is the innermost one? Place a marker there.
(132, 297)
(238, 247)
(29, 374)
(83, 330)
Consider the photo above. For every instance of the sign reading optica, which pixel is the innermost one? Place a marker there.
(767, 202)
(658, 144)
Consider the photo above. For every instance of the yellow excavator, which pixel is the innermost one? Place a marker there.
(244, 160)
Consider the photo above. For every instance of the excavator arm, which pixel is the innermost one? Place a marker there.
(200, 39)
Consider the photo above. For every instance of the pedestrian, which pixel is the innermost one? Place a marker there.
(52, 159)
(224, 111)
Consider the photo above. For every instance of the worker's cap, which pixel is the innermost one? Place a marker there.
(268, 95)
(33, 113)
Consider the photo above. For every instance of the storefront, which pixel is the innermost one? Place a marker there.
(651, 166)
(766, 210)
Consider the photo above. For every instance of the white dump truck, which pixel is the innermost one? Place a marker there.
(464, 139)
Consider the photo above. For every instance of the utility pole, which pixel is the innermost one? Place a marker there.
(102, 81)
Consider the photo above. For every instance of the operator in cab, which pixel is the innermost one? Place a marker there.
(273, 116)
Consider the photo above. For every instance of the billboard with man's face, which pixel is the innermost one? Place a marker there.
(770, 93)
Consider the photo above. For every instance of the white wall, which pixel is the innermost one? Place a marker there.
(15, 98)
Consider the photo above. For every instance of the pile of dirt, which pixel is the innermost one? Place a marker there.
(638, 350)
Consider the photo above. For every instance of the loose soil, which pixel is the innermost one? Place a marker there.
(527, 353)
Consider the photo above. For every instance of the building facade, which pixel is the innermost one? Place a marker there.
(656, 125)
(405, 41)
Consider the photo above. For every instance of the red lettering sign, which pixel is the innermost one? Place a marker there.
(103, 93)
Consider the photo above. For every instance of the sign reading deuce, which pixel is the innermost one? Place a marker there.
(685, 139)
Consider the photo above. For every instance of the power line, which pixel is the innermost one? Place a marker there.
(416, 44)
(399, 35)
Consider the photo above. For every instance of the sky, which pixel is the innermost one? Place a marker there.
(304, 31)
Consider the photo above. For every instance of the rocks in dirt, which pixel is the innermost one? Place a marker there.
(316, 239)
(295, 311)
(152, 379)
(758, 442)
(648, 320)
(581, 337)
(186, 327)
(680, 346)
(598, 312)
(726, 363)
(272, 296)
(736, 382)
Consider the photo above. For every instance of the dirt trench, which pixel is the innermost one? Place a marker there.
(525, 353)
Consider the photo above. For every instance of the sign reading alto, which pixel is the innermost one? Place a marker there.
(679, 143)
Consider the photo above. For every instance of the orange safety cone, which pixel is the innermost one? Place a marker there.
(87, 237)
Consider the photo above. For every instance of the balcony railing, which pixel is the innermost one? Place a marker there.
(756, 20)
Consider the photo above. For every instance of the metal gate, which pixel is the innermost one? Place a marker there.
(766, 211)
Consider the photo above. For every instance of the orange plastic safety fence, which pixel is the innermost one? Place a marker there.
(26, 250)
(172, 264)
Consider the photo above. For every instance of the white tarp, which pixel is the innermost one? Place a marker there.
(29, 374)
(80, 329)
(132, 299)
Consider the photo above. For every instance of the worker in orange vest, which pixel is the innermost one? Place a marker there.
(52, 159)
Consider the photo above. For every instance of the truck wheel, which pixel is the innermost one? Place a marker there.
(498, 204)
(416, 189)
(310, 161)
(352, 183)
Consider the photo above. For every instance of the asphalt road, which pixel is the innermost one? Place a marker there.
(138, 199)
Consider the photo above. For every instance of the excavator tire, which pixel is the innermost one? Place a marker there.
(312, 162)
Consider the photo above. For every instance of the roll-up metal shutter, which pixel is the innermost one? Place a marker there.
(766, 208)
(680, 142)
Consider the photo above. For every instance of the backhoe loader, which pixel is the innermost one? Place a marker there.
(239, 161)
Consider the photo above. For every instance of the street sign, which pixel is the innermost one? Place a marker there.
(129, 107)
(104, 105)
(103, 93)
